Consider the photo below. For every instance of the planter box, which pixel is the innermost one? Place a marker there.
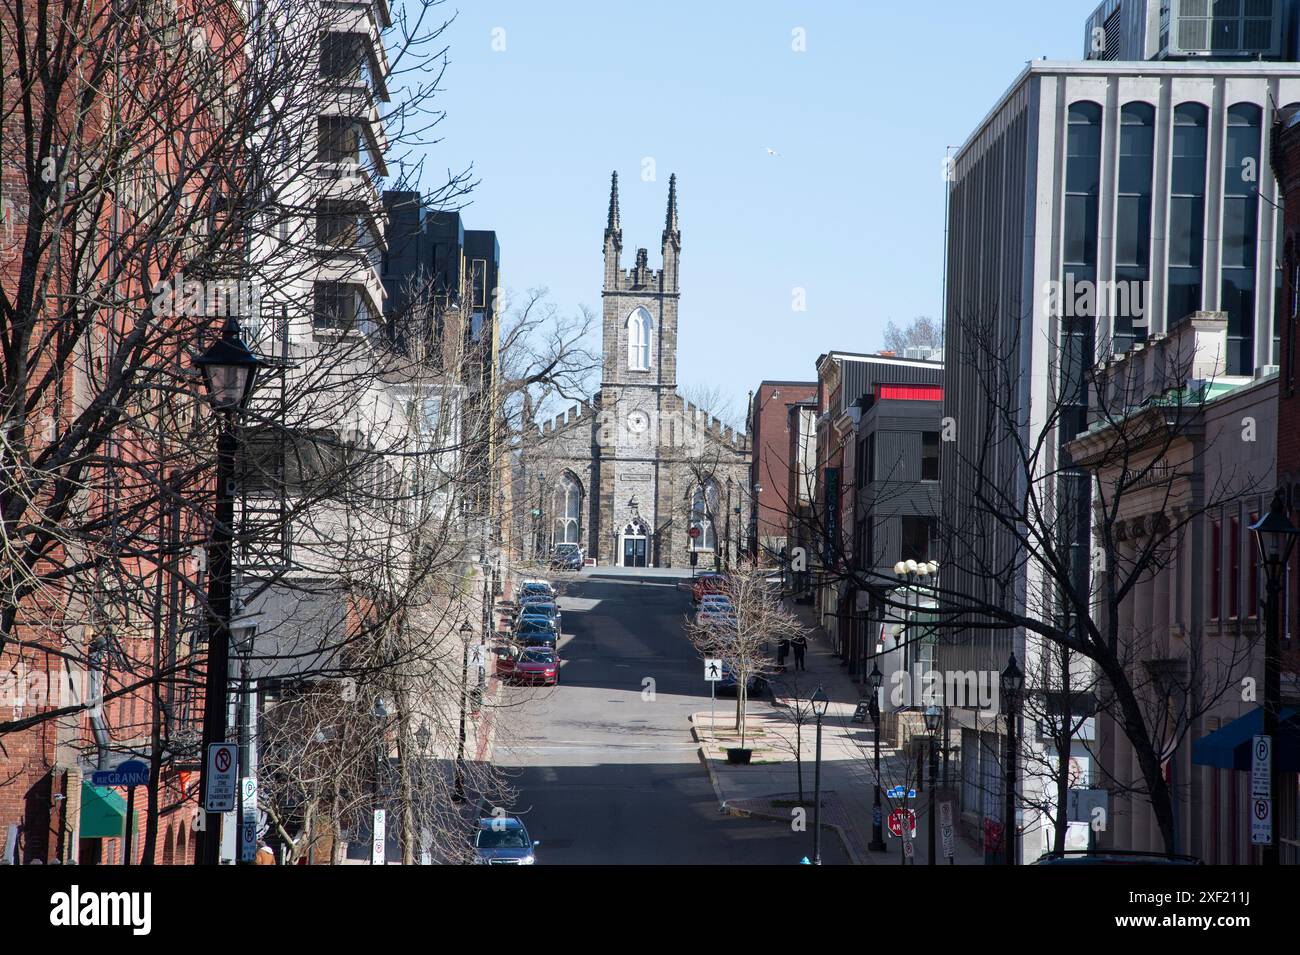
(739, 757)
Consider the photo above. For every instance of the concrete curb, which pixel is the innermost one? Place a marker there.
(739, 812)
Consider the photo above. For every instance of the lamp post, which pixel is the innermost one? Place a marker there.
(933, 717)
(877, 812)
(1276, 537)
(1012, 685)
(229, 374)
(465, 631)
(726, 533)
(820, 702)
(537, 517)
(381, 721)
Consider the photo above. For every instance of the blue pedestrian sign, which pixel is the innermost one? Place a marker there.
(898, 792)
(131, 773)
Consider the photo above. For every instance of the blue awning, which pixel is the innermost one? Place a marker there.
(1229, 747)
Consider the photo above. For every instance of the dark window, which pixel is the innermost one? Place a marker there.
(479, 274)
(1234, 569)
(917, 532)
(1216, 570)
(342, 57)
(1133, 224)
(930, 456)
(338, 222)
(1187, 211)
(1240, 232)
(338, 140)
(339, 306)
(1252, 610)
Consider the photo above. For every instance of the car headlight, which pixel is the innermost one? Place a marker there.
(528, 860)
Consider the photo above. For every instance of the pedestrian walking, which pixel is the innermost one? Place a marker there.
(782, 649)
(800, 648)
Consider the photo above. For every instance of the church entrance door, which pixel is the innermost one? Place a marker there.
(634, 551)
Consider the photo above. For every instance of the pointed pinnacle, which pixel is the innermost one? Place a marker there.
(613, 224)
(670, 223)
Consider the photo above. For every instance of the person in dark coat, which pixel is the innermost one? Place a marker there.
(782, 649)
(800, 644)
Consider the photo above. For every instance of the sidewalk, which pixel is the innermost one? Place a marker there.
(769, 786)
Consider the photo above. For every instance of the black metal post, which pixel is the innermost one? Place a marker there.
(817, 798)
(1271, 853)
(933, 794)
(1009, 822)
(218, 669)
(459, 794)
(245, 760)
(877, 811)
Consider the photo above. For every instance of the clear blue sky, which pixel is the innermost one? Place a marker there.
(851, 208)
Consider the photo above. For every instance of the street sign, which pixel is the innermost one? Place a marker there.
(1261, 767)
(223, 764)
(945, 828)
(377, 850)
(478, 655)
(909, 851)
(695, 533)
(713, 670)
(862, 711)
(1261, 822)
(248, 825)
(133, 772)
(899, 818)
(898, 792)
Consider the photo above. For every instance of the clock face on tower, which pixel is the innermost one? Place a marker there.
(638, 422)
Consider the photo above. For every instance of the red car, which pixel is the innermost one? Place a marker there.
(709, 584)
(534, 666)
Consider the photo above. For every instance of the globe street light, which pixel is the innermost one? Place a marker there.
(820, 703)
(1276, 537)
(1012, 685)
(229, 374)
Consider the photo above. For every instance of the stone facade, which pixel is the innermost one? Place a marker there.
(639, 452)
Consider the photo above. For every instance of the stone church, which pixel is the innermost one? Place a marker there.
(637, 476)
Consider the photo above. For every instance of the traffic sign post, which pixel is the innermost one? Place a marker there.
(946, 829)
(129, 774)
(222, 768)
(713, 673)
(1261, 821)
(377, 849)
(1261, 791)
(248, 824)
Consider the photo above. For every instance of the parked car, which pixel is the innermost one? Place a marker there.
(532, 665)
(715, 603)
(541, 607)
(536, 630)
(567, 557)
(503, 840)
(709, 584)
(728, 684)
(534, 588)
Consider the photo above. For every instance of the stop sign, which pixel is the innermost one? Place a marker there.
(695, 533)
(900, 817)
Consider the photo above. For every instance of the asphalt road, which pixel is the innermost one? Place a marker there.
(606, 770)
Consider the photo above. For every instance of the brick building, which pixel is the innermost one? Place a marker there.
(769, 423)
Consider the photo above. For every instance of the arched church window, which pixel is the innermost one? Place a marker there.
(704, 512)
(638, 341)
(568, 510)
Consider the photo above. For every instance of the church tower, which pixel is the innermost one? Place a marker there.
(638, 400)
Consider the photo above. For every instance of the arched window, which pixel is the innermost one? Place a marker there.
(1133, 224)
(638, 341)
(1186, 232)
(704, 514)
(568, 510)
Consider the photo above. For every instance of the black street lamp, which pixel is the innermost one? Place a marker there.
(229, 373)
(877, 812)
(1276, 536)
(820, 703)
(933, 718)
(1012, 686)
(465, 632)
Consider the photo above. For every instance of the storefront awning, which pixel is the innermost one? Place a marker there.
(103, 812)
(1230, 746)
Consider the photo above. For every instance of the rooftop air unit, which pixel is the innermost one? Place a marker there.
(1224, 29)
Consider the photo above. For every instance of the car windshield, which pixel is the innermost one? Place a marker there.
(533, 622)
(509, 838)
(537, 656)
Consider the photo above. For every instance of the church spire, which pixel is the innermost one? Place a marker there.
(613, 224)
(670, 222)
